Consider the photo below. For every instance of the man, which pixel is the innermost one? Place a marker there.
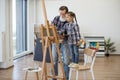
(59, 22)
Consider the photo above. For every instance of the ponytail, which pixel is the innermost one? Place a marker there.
(76, 20)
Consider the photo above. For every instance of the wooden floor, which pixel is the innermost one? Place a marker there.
(104, 69)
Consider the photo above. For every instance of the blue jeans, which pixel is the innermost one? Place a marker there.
(74, 53)
(65, 58)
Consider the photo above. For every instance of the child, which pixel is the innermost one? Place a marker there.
(72, 31)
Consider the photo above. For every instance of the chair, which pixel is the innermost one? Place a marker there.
(89, 59)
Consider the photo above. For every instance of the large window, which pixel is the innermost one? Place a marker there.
(19, 26)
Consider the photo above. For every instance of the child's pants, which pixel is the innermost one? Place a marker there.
(74, 53)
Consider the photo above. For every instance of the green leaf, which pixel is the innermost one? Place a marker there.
(113, 50)
(113, 47)
(108, 41)
(112, 43)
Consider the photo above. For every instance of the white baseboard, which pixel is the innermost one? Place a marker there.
(8, 64)
(5, 65)
(22, 54)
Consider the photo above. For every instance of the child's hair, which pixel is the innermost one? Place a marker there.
(72, 14)
(64, 8)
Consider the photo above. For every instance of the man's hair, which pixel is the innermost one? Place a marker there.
(64, 8)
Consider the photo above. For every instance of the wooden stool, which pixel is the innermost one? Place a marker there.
(32, 70)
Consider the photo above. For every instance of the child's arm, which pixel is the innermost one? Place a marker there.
(77, 32)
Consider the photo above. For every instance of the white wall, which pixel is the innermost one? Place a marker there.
(7, 49)
(95, 17)
(2, 25)
(31, 21)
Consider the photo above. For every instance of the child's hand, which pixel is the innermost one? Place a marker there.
(80, 42)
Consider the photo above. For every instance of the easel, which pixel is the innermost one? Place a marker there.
(49, 35)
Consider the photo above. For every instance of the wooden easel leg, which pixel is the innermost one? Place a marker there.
(61, 63)
(37, 76)
(26, 75)
(51, 58)
(44, 59)
(45, 73)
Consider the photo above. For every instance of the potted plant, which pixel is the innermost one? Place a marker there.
(109, 47)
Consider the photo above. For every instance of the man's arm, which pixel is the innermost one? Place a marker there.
(62, 30)
(55, 20)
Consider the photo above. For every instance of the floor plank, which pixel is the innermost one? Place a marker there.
(104, 69)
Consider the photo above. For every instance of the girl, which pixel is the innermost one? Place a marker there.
(72, 31)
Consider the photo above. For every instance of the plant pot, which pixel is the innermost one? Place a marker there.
(107, 55)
